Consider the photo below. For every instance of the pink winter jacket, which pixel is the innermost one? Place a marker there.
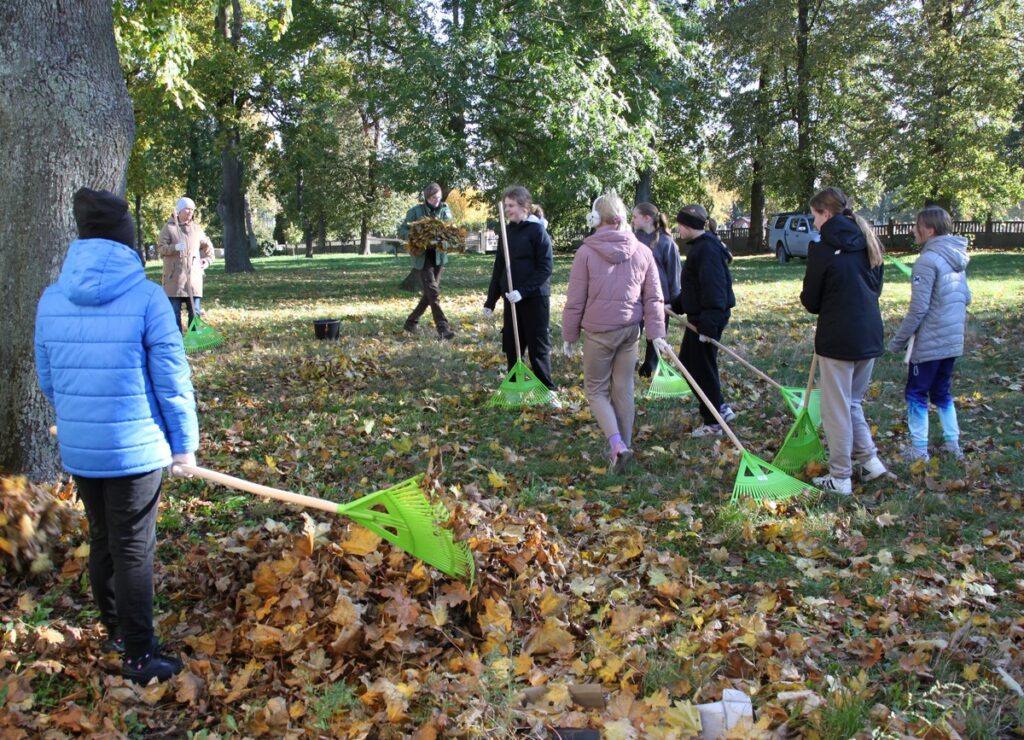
(613, 282)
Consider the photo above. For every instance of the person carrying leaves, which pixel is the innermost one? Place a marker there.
(430, 262)
(112, 363)
(186, 253)
(613, 286)
(939, 296)
(532, 261)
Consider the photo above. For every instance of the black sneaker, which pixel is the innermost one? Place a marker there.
(153, 664)
(446, 335)
(411, 329)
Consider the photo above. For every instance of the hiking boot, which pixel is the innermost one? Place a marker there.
(952, 448)
(870, 469)
(153, 664)
(912, 454)
(727, 413)
(841, 486)
(707, 430)
(113, 645)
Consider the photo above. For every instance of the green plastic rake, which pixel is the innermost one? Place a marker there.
(756, 478)
(666, 382)
(520, 387)
(802, 444)
(199, 336)
(903, 266)
(794, 397)
(402, 514)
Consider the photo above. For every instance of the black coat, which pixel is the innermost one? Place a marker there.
(529, 250)
(706, 286)
(843, 289)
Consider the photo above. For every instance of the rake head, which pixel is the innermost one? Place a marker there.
(667, 382)
(761, 481)
(201, 336)
(405, 517)
(794, 398)
(520, 388)
(802, 445)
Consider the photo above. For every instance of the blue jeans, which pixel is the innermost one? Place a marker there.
(176, 307)
(930, 381)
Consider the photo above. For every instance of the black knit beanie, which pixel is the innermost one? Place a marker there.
(693, 216)
(102, 215)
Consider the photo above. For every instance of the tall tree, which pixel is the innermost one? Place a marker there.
(65, 122)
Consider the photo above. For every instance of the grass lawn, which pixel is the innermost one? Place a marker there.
(895, 612)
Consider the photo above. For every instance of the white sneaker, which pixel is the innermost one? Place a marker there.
(953, 450)
(707, 430)
(871, 469)
(554, 401)
(841, 486)
(727, 413)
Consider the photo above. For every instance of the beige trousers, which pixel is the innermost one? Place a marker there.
(608, 361)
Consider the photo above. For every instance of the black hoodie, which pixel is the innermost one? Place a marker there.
(706, 286)
(842, 287)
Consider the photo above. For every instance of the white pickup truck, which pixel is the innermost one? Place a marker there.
(791, 234)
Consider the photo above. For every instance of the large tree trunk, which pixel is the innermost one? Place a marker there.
(231, 209)
(65, 121)
(755, 236)
(643, 187)
(804, 136)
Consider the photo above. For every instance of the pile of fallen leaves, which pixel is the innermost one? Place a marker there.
(35, 525)
(433, 233)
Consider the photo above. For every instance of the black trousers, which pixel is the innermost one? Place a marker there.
(431, 298)
(122, 540)
(533, 315)
(701, 360)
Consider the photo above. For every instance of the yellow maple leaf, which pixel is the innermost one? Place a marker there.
(970, 672)
(684, 718)
(619, 729)
(360, 541)
(552, 637)
(496, 479)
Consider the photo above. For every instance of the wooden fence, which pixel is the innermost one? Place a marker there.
(982, 235)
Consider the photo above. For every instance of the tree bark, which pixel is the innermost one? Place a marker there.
(231, 209)
(65, 122)
(755, 236)
(643, 187)
(806, 169)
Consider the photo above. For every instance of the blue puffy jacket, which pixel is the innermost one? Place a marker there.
(111, 360)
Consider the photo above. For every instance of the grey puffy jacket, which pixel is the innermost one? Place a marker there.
(938, 301)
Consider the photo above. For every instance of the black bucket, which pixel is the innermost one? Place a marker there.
(327, 328)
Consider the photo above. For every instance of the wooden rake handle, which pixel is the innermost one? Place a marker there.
(732, 353)
(697, 389)
(508, 274)
(230, 481)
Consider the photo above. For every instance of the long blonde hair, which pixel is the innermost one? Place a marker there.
(612, 210)
(835, 202)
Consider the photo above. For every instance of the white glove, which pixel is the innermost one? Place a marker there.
(204, 263)
(514, 296)
(488, 313)
(569, 349)
(179, 247)
(182, 458)
(703, 338)
(661, 345)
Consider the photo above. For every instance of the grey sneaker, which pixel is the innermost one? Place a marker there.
(953, 450)
(841, 486)
(870, 469)
(912, 454)
(622, 461)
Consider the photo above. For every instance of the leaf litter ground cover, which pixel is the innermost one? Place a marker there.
(895, 612)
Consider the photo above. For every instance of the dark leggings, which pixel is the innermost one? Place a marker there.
(122, 539)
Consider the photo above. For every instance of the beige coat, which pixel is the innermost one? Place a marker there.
(180, 267)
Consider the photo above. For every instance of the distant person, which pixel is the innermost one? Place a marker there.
(113, 365)
(651, 227)
(842, 286)
(429, 263)
(532, 261)
(537, 210)
(707, 299)
(613, 286)
(186, 253)
(939, 296)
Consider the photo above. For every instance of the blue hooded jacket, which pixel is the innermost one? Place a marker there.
(111, 360)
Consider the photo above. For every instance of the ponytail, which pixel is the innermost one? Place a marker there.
(660, 222)
(835, 202)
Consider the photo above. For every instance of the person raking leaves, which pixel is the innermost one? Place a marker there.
(110, 359)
